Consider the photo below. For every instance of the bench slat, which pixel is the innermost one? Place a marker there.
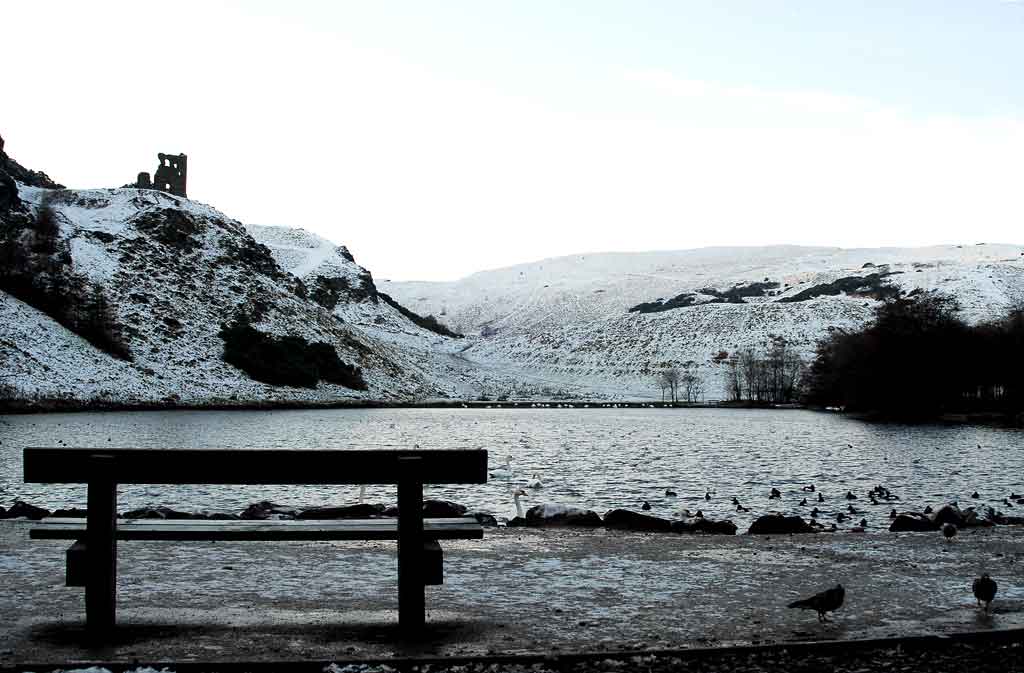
(464, 528)
(68, 465)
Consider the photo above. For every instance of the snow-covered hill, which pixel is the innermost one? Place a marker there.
(172, 271)
(567, 320)
(168, 273)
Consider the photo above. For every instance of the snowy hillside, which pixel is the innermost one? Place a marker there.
(567, 321)
(172, 271)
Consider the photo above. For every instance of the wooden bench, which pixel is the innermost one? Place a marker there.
(92, 559)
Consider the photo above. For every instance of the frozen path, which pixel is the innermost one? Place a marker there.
(516, 591)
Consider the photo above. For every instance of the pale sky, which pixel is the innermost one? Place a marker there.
(436, 139)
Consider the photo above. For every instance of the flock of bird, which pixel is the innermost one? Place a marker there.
(830, 600)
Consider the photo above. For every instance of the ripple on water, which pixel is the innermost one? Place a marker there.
(594, 458)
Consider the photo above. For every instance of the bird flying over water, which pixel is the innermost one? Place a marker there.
(984, 589)
(829, 600)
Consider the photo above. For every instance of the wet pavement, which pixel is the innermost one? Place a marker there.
(517, 591)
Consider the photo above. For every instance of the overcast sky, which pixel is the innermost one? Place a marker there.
(435, 139)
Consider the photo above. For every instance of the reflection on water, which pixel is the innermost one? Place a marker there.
(595, 458)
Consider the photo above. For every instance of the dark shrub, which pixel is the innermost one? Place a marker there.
(287, 360)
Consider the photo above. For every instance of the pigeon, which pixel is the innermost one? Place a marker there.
(984, 589)
(829, 600)
(646, 506)
(948, 531)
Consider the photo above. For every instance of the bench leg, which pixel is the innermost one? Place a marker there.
(411, 600)
(101, 543)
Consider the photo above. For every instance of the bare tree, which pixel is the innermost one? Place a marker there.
(669, 379)
(692, 386)
(733, 380)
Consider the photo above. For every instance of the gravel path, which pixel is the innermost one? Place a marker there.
(515, 592)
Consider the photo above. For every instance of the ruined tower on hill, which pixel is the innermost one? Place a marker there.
(171, 175)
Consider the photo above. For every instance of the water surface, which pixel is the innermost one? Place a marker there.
(594, 458)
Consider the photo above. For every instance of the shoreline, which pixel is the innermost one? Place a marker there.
(23, 407)
(74, 406)
(605, 592)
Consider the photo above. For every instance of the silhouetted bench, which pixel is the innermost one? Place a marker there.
(92, 559)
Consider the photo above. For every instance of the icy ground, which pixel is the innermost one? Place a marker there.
(515, 591)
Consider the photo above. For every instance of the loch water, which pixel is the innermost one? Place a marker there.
(597, 458)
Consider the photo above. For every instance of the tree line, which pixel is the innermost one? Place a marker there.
(918, 358)
(774, 377)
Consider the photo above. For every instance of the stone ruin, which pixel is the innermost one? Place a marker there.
(170, 175)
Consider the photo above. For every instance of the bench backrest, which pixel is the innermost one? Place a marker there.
(68, 465)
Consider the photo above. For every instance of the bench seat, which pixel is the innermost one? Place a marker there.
(463, 528)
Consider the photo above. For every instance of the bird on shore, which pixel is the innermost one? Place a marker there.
(984, 589)
(646, 506)
(519, 493)
(948, 531)
(829, 600)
